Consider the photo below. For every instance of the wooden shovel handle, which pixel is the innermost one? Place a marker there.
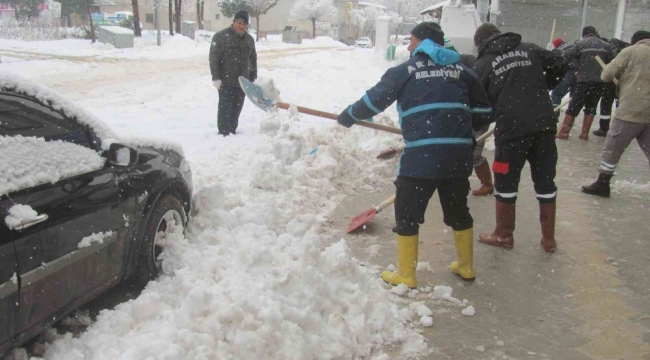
(384, 204)
(484, 137)
(602, 65)
(559, 107)
(331, 116)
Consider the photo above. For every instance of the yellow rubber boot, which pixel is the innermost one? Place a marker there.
(465, 248)
(407, 260)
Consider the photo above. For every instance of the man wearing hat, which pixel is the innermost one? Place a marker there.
(518, 76)
(632, 118)
(566, 85)
(440, 101)
(589, 88)
(232, 54)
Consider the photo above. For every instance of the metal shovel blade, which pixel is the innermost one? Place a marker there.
(255, 94)
(361, 219)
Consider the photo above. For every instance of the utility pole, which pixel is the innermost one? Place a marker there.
(620, 19)
(156, 5)
(583, 23)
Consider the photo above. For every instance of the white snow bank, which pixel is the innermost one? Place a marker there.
(19, 214)
(469, 311)
(621, 186)
(28, 161)
(94, 238)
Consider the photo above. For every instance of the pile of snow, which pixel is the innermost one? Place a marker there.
(269, 89)
(28, 161)
(19, 214)
(469, 311)
(94, 238)
(260, 273)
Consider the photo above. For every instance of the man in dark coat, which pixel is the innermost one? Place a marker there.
(232, 54)
(517, 77)
(609, 94)
(589, 88)
(440, 101)
(566, 85)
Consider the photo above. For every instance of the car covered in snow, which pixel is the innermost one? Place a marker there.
(81, 209)
(363, 42)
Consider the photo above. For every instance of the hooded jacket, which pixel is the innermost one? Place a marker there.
(584, 53)
(517, 77)
(632, 68)
(232, 55)
(439, 100)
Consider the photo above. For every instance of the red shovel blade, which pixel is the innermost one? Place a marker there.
(361, 220)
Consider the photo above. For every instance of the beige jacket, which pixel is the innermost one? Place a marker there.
(632, 68)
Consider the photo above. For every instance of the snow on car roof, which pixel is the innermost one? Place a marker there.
(107, 136)
(30, 161)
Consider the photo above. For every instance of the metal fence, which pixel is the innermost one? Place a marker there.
(533, 19)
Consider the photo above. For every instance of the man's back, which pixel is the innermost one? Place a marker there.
(632, 66)
(512, 72)
(584, 52)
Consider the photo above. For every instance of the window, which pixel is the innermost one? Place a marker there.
(217, 16)
(149, 18)
(23, 116)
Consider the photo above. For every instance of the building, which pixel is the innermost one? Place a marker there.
(273, 22)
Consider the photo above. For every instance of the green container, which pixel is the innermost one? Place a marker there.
(390, 53)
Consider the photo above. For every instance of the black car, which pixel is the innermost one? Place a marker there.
(93, 228)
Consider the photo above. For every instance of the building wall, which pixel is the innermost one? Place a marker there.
(273, 22)
(533, 19)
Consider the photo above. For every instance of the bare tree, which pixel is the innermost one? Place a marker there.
(136, 18)
(258, 8)
(311, 10)
(200, 4)
(403, 12)
(178, 14)
(90, 19)
(171, 17)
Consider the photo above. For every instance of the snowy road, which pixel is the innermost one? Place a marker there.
(260, 273)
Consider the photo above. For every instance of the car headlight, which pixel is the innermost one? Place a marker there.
(185, 166)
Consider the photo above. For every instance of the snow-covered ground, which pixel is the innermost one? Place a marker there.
(259, 275)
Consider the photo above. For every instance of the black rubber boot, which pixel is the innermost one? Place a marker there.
(598, 188)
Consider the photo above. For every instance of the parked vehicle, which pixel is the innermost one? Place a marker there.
(404, 39)
(100, 209)
(363, 42)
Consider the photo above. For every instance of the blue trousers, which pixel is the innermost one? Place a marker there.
(563, 88)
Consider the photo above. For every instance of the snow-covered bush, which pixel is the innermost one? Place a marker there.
(36, 30)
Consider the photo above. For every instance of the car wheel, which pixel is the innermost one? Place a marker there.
(167, 215)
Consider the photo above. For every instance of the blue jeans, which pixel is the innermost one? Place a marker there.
(563, 88)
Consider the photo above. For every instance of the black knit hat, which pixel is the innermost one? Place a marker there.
(640, 35)
(242, 16)
(429, 30)
(589, 30)
(484, 31)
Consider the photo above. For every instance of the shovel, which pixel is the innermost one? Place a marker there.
(256, 95)
(367, 216)
(387, 154)
(602, 65)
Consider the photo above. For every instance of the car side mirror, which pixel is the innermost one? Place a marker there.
(121, 155)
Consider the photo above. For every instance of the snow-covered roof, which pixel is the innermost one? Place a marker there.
(117, 30)
(363, 3)
(435, 7)
(48, 96)
(57, 102)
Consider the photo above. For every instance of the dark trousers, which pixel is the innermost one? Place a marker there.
(563, 88)
(511, 156)
(586, 94)
(606, 102)
(231, 102)
(412, 198)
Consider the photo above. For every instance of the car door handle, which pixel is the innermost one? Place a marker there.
(37, 220)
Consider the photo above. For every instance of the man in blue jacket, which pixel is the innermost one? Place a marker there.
(439, 101)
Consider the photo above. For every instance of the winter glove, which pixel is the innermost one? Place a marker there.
(217, 84)
(346, 119)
